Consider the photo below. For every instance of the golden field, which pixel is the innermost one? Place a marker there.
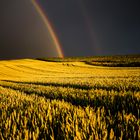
(68, 100)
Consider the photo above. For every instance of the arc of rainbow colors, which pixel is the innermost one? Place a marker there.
(90, 27)
(44, 17)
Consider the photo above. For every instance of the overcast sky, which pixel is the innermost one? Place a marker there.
(84, 28)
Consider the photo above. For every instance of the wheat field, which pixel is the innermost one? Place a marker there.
(68, 101)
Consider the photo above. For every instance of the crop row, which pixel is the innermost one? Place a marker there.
(113, 101)
(25, 116)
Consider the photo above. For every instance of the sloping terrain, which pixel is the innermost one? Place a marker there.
(68, 100)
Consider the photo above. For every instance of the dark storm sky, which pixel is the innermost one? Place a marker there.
(84, 28)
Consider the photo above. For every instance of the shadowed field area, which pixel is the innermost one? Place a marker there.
(72, 99)
(108, 61)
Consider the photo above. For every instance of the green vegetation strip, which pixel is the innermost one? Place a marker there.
(109, 61)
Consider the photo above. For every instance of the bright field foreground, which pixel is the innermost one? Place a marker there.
(68, 100)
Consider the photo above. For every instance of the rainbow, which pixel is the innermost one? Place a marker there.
(49, 26)
(90, 28)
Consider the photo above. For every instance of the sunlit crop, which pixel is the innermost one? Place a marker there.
(68, 100)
